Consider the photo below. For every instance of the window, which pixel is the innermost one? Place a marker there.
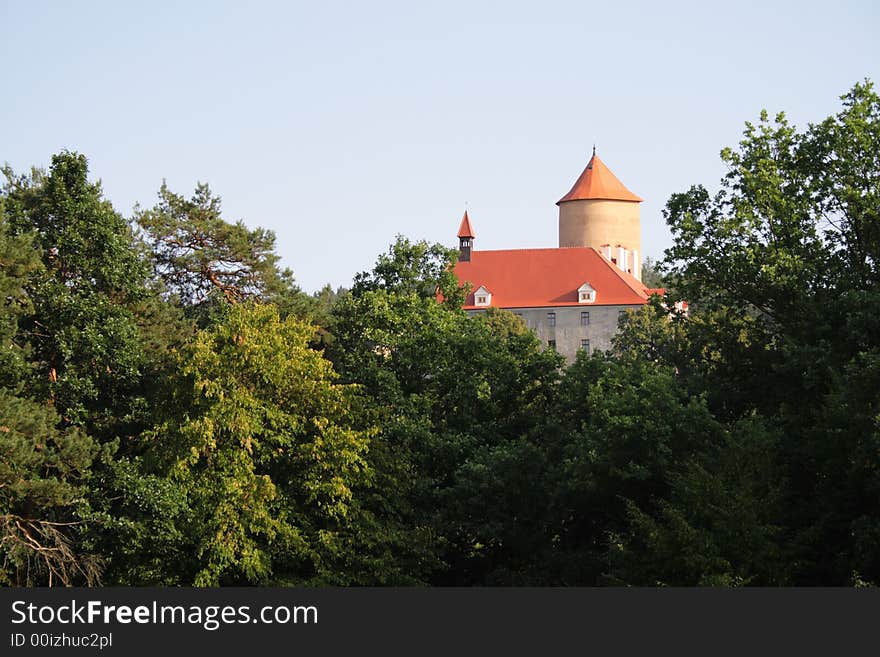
(586, 293)
(620, 315)
(482, 296)
(481, 300)
(551, 319)
(585, 345)
(585, 318)
(552, 344)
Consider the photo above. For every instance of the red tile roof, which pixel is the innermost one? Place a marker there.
(465, 229)
(530, 278)
(597, 182)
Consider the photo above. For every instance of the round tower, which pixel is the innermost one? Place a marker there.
(601, 212)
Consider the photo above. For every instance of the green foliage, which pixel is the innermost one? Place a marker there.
(41, 473)
(449, 391)
(19, 261)
(634, 425)
(265, 445)
(138, 521)
(795, 218)
(84, 341)
(841, 158)
(720, 525)
(196, 252)
(86, 244)
(198, 256)
(781, 267)
(416, 268)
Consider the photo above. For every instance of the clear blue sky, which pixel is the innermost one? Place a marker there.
(341, 124)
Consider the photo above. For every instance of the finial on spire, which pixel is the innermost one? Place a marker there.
(594, 149)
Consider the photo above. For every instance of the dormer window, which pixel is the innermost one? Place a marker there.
(586, 293)
(482, 297)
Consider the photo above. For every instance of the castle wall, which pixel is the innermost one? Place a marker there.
(568, 331)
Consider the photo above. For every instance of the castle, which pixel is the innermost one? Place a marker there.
(572, 296)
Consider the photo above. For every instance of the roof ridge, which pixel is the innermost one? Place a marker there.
(541, 248)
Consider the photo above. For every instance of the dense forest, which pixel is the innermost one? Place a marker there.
(174, 410)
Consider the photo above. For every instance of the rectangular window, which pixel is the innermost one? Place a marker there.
(621, 314)
(585, 318)
(585, 345)
(552, 344)
(551, 319)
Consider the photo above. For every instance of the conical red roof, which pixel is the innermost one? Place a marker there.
(597, 182)
(465, 229)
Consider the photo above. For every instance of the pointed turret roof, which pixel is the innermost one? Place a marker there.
(597, 182)
(465, 229)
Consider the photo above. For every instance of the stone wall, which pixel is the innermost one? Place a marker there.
(568, 331)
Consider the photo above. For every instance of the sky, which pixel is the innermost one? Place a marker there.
(340, 125)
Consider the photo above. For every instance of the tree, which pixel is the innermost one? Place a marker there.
(781, 269)
(266, 446)
(453, 397)
(794, 220)
(197, 253)
(841, 158)
(19, 261)
(41, 470)
(722, 523)
(41, 467)
(636, 424)
(84, 340)
(416, 268)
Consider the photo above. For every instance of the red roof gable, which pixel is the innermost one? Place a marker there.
(529, 278)
(597, 182)
(465, 229)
